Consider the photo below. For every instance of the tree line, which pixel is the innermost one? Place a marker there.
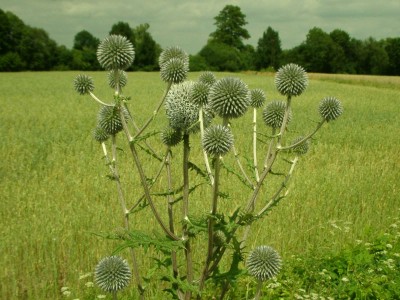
(27, 48)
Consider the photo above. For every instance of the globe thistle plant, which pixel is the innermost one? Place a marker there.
(173, 52)
(115, 52)
(217, 140)
(291, 80)
(199, 93)
(300, 148)
(171, 136)
(83, 84)
(174, 70)
(330, 108)
(207, 78)
(257, 98)
(112, 274)
(274, 112)
(229, 97)
(100, 135)
(117, 77)
(109, 119)
(264, 263)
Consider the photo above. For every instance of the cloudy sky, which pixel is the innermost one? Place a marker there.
(188, 23)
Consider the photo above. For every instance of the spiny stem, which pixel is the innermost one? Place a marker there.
(285, 120)
(155, 112)
(185, 212)
(206, 161)
(255, 145)
(98, 100)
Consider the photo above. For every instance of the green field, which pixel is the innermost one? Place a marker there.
(55, 193)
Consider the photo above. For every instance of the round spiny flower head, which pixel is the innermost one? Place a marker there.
(219, 238)
(171, 137)
(173, 52)
(330, 108)
(291, 80)
(117, 76)
(274, 113)
(181, 112)
(199, 93)
(115, 52)
(207, 78)
(110, 120)
(112, 274)
(229, 97)
(301, 148)
(174, 70)
(264, 263)
(217, 140)
(83, 84)
(100, 135)
(257, 98)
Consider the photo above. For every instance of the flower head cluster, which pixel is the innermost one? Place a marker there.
(174, 65)
(83, 84)
(330, 108)
(291, 80)
(109, 119)
(217, 140)
(274, 113)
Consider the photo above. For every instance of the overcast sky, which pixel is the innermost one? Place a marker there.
(188, 23)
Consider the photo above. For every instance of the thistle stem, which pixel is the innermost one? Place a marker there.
(255, 145)
(98, 100)
(206, 161)
(188, 252)
(258, 293)
(285, 120)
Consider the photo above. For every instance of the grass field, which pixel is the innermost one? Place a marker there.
(54, 191)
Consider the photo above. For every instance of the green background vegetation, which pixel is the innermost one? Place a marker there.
(26, 48)
(55, 193)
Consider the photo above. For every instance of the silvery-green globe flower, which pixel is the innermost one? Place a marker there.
(174, 70)
(330, 108)
(199, 93)
(274, 113)
(264, 263)
(117, 76)
(219, 238)
(291, 80)
(181, 112)
(171, 137)
(83, 84)
(100, 135)
(208, 78)
(257, 98)
(115, 52)
(173, 52)
(229, 97)
(112, 274)
(217, 140)
(109, 119)
(301, 148)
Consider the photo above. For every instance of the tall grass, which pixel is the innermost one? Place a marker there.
(55, 193)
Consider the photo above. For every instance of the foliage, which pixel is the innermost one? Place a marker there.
(268, 50)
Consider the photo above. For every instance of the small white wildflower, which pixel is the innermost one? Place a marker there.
(89, 284)
(64, 288)
(302, 290)
(101, 296)
(358, 242)
(345, 279)
(67, 293)
(396, 254)
(83, 276)
(297, 296)
(367, 244)
(314, 296)
(370, 270)
(394, 225)
(346, 229)
(389, 246)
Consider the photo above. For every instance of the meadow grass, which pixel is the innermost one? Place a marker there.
(55, 193)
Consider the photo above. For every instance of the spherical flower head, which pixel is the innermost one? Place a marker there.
(112, 274)
(257, 98)
(208, 78)
(109, 119)
(199, 93)
(171, 137)
(291, 80)
(217, 140)
(174, 70)
(274, 113)
(100, 135)
(117, 77)
(301, 148)
(173, 52)
(181, 112)
(229, 97)
(264, 263)
(115, 52)
(83, 84)
(330, 108)
(219, 238)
